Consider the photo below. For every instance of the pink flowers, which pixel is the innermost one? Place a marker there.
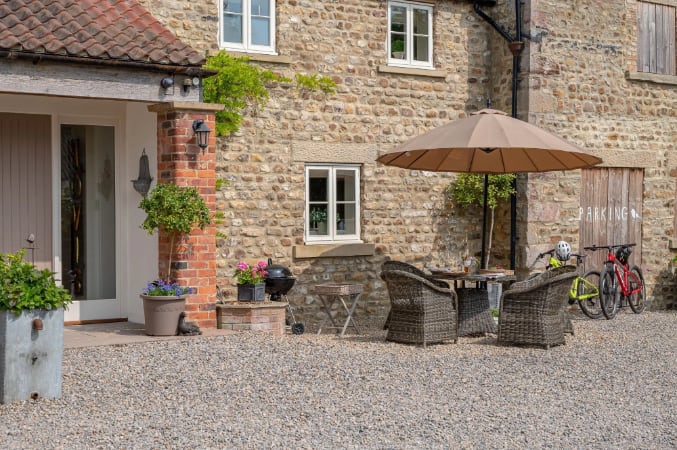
(251, 275)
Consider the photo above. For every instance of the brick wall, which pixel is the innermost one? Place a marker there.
(181, 161)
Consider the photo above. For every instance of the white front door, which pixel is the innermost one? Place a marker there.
(88, 244)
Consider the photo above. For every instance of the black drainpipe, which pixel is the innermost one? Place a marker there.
(516, 46)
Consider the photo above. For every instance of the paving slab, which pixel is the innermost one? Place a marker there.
(119, 333)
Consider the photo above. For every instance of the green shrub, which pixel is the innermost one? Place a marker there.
(468, 189)
(175, 210)
(22, 286)
(238, 84)
(397, 46)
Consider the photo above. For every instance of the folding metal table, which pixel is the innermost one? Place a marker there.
(348, 295)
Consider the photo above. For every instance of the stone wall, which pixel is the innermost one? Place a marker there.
(404, 213)
(579, 55)
(571, 82)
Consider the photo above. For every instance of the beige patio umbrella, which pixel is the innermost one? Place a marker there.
(488, 142)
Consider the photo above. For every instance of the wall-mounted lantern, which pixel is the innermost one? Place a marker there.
(201, 133)
(142, 184)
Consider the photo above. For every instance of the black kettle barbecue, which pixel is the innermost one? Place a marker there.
(279, 282)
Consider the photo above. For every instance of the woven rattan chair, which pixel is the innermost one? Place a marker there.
(565, 316)
(474, 314)
(406, 267)
(421, 312)
(532, 310)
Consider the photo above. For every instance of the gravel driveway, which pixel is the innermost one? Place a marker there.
(611, 386)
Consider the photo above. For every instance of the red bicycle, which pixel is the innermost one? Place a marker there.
(619, 282)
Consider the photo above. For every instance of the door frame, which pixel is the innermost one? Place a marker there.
(92, 310)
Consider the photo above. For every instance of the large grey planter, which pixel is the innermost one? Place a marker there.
(30, 358)
(161, 314)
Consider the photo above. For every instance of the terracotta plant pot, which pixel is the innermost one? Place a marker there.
(161, 314)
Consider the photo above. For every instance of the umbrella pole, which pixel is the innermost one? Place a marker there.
(484, 221)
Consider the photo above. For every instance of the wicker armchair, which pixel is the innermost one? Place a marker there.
(421, 312)
(532, 311)
(406, 267)
(474, 314)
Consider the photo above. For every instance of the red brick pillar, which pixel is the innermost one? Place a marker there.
(181, 161)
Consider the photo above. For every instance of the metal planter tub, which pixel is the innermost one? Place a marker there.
(31, 353)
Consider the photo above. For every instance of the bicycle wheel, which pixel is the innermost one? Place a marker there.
(637, 300)
(608, 294)
(587, 294)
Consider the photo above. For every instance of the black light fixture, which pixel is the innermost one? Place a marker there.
(142, 184)
(201, 133)
(167, 82)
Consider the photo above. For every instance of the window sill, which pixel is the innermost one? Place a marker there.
(413, 71)
(651, 77)
(262, 57)
(333, 250)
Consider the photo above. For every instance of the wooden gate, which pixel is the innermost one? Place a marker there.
(611, 211)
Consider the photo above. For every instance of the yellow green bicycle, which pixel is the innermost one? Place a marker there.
(585, 288)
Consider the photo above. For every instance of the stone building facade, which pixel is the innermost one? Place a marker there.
(577, 78)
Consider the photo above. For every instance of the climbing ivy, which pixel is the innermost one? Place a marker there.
(238, 84)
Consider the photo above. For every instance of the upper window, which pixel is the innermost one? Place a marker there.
(247, 25)
(332, 203)
(656, 38)
(410, 34)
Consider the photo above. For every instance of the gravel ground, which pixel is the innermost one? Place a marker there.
(611, 386)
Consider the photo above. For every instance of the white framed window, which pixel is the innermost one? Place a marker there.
(410, 34)
(656, 38)
(332, 203)
(247, 25)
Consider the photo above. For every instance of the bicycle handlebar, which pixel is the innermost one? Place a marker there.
(551, 252)
(596, 247)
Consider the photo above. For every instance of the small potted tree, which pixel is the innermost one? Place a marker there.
(31, 330)
(468, 189)
(174, 210)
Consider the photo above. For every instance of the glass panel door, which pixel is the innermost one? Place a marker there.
(88, 211)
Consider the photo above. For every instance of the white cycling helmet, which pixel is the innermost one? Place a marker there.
(563, 251)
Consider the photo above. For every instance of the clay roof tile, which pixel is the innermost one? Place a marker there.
(106, 29)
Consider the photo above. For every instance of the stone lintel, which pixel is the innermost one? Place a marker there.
(411, 71)
(651, 77)
(263, 57)
(333, 152)
(333, 250)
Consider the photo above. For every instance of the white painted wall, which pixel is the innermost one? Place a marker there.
(141, 127)
(135, 129)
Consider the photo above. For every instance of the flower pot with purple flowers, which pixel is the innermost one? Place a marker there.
(175, 211)
(163, 303)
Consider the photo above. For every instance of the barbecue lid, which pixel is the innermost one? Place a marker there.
(277, 271)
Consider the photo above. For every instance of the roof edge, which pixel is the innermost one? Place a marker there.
(164, 68)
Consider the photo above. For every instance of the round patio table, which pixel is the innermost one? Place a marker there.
(474, 312)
